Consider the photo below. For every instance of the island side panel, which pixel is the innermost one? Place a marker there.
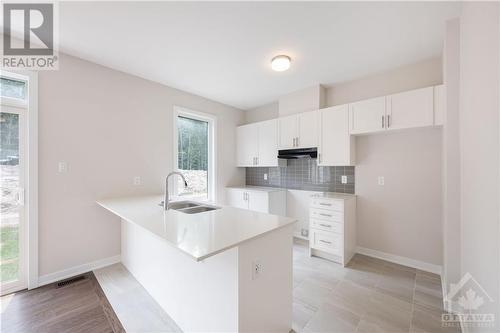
(199, 296)
(265, 299)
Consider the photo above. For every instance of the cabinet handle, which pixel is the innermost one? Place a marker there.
(326, 215)
(383, 119)
(324, 241)
(293, 142)
(257, 161)
(388, 120)
(319, 158)
(298, 144)
(325, 225)
(324, 204)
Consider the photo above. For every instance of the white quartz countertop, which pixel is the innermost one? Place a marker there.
(198, 235)
(257, 188)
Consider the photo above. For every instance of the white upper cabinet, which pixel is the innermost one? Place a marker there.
(287, 132)
(298, 131)
(268, 143)
(336, 146)
(367, 116)
(410, 109)
(256, 144)
(247, 144)
(439, 104)
(307, 124)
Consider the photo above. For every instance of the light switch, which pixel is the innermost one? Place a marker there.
(381, 180)
(62, 167)
(137, 181)
(256, 269)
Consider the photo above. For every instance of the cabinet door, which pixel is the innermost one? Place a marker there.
(308, 129)
(268, 143)
(247, 144)
(439, 104)
(367, 116)
(258, 201)
(236, 198)
(287, 129)
(336, 147)
(409, 109)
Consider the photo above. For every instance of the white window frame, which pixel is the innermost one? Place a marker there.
(30, 104)
(212, 151)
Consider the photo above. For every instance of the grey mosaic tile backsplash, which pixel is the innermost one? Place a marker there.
(303, 174)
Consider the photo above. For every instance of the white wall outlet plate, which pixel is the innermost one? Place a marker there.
(137, 181)
(381, 180)
(256, 269)
(62, 167)
(344, 180)
(265, 176)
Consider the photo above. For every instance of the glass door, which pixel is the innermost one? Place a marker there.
(12, 184)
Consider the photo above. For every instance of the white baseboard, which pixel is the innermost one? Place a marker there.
(77, 270)
(424, 266)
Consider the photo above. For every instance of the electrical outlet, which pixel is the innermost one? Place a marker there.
(265, 176)
(381, 180)
(137, 181)
(62, 167)
(343, 180)
(256, 269)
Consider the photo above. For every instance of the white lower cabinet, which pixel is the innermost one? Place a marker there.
(271, 201)
(332, 227)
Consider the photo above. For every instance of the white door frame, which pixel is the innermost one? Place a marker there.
(31, 173)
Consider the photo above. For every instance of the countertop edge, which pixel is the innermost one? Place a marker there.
(201, 258)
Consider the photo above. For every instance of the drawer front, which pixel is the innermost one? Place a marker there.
(327, 215)
(327, 226)
(330, 204)
(327, 241)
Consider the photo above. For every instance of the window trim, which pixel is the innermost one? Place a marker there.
(30, 104)
(17, 102)
(212, 150)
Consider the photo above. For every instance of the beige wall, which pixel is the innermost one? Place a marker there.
(422, 74)
(480, 149)
(451, 156)
(384, 223)
(261, 113)
(403, 217)
(109, 127)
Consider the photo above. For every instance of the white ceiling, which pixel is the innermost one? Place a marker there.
(222, 50)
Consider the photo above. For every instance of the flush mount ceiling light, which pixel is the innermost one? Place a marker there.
(280, 63)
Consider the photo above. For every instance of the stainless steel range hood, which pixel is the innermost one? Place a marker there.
(289, 154)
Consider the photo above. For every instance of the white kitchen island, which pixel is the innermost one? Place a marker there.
(201, 268)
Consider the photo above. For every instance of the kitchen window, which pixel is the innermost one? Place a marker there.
(194, 154)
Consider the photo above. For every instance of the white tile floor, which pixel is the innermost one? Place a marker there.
(370, 295)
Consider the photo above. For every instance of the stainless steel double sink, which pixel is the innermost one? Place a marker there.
(190, 207)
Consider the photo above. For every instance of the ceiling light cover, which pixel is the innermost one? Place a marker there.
(280, 63)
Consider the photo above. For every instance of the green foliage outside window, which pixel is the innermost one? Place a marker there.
(192, 144)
